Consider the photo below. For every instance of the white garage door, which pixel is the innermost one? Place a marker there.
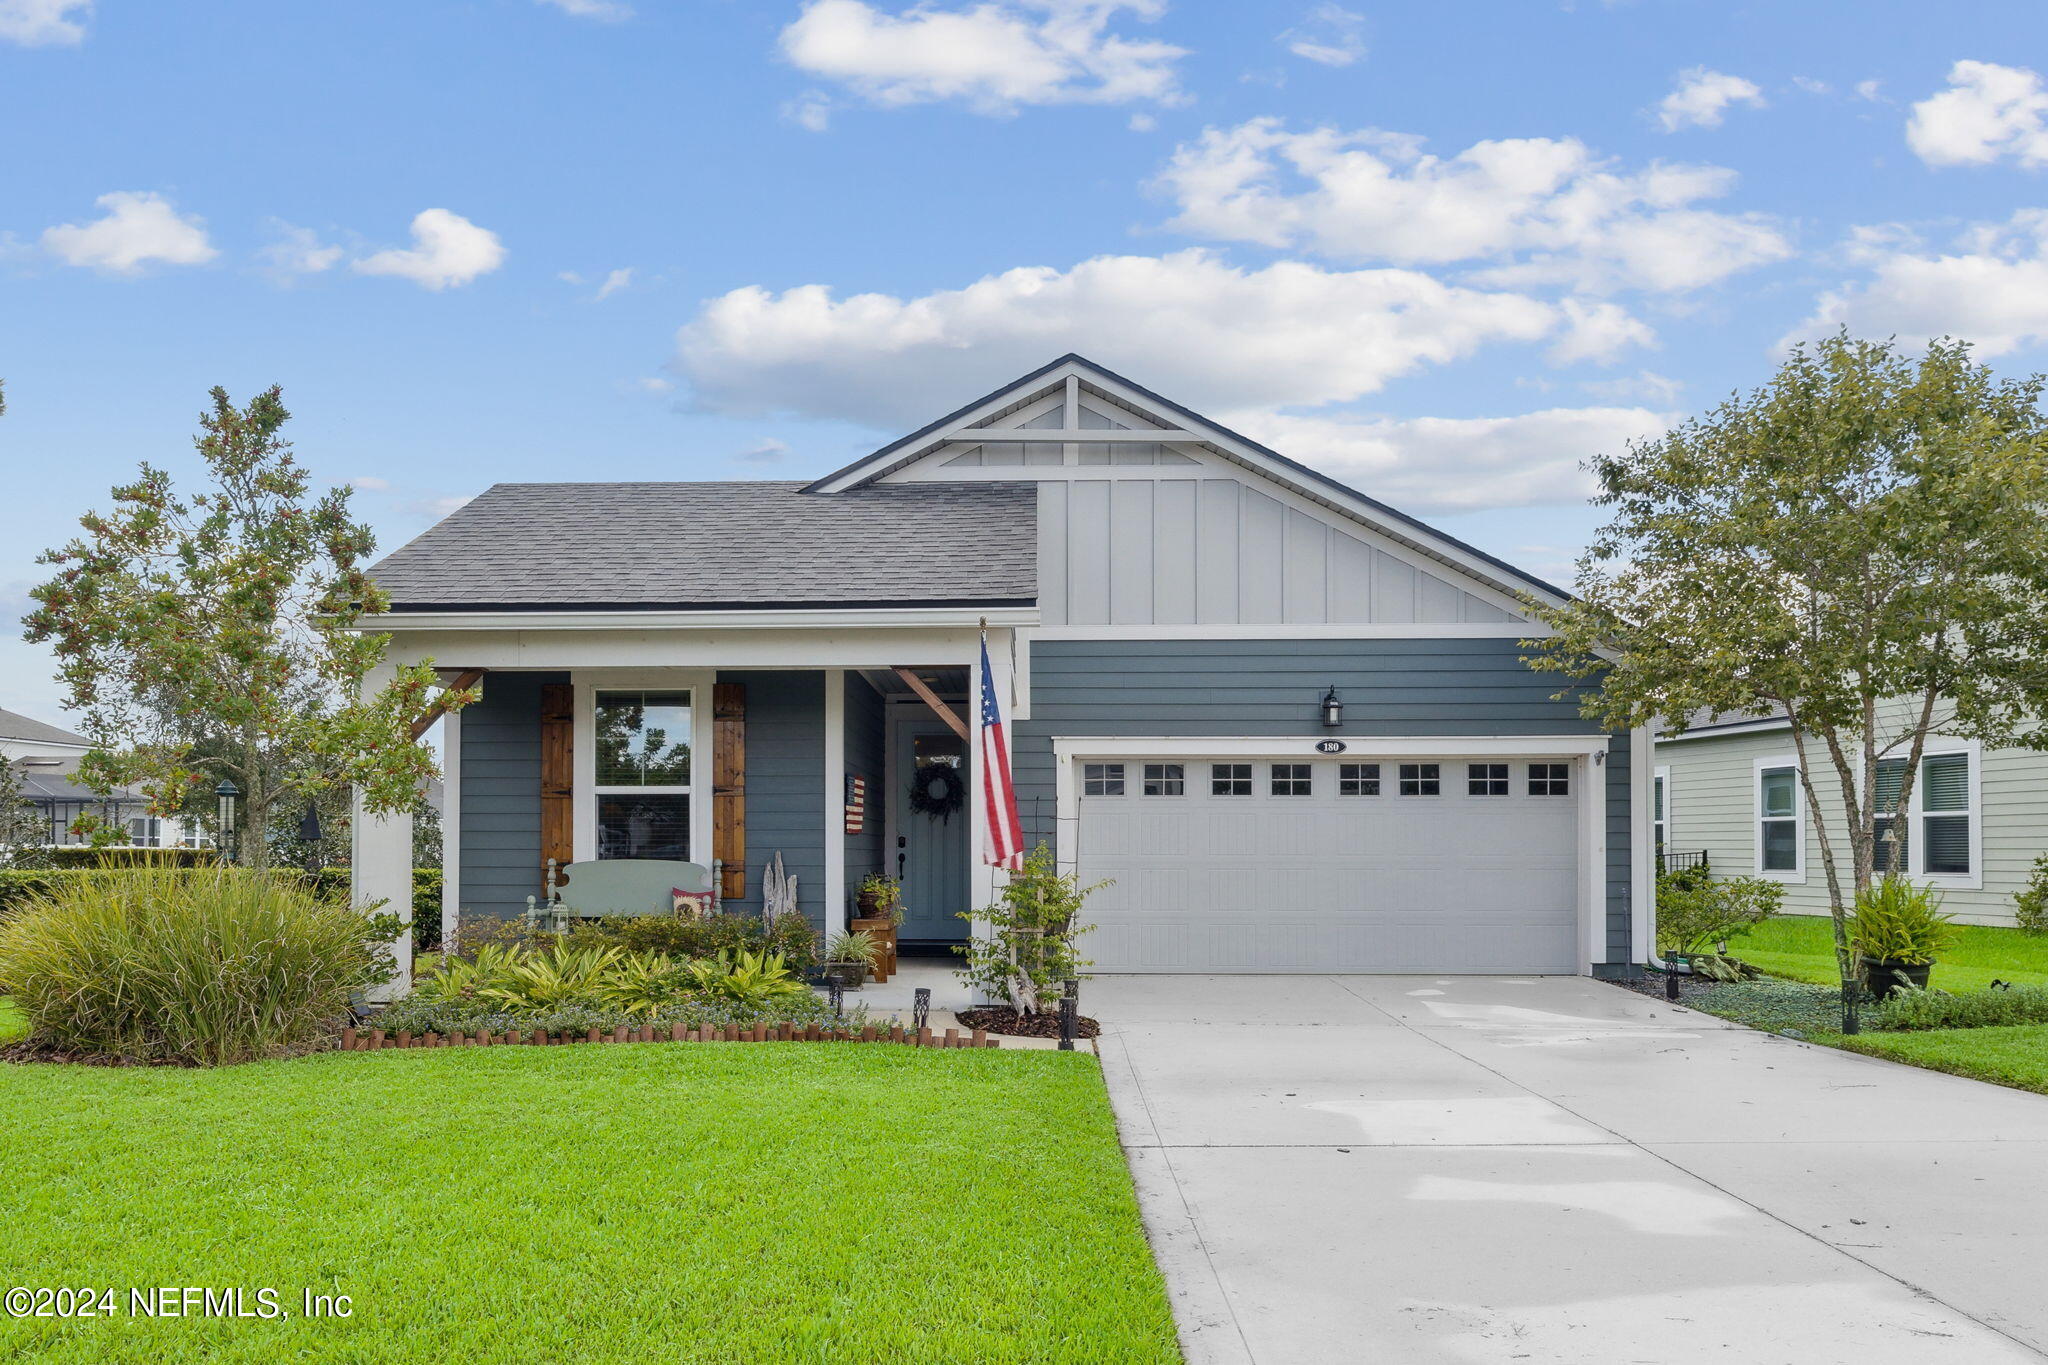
(1331, 865)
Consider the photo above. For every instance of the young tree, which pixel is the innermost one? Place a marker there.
(1865, 530)
(212, 636)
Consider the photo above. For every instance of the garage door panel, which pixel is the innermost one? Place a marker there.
(1325, 882)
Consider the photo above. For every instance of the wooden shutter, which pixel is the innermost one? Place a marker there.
(557, 774)
(729, 786)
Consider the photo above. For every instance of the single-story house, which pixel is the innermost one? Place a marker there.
(1288, 724)
(1726, 792)
(46, 756)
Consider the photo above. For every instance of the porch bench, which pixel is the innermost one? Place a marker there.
(617, 886)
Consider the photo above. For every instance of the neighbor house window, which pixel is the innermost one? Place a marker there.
(1943, 798)
(1660, 806)
(1550, 779)
(1358, 779)
(1165, 779)
(643, 774)
(1102, 779)
(1230, 779)
(1486, 779)
(1777, 800)
(1290, 779)
(1419, 779)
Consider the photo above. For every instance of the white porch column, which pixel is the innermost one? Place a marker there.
(380, 867)
(835, 800)
(451, 826)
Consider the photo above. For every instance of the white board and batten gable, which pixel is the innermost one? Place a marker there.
(1150, 516)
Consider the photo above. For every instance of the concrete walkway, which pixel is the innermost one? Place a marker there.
(1416, 1170)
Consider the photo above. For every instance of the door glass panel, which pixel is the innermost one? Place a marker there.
(946, 748)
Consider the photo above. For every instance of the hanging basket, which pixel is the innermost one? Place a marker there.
(937, 790)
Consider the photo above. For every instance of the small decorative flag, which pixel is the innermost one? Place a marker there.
(1005, 846)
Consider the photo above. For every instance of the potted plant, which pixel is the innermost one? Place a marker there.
(849, 958)
(1899, 931)
(878, 907)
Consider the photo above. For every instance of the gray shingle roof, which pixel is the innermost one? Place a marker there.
(712, 545)
(14, 725)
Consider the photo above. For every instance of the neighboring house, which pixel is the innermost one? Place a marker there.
(734, 671)
(1727, 790)
(48, 760)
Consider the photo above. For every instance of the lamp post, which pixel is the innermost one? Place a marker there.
(226, 795)
(309, 835)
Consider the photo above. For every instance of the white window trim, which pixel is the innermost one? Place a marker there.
(587, 684)
(1797, 876)
(1940, 746)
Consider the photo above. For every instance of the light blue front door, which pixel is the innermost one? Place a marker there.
(931, 852)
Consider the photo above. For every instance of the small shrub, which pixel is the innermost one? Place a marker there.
(209, 966)
(1696, 911)
(1774, 1006)
(756, 980)
(2030, 902)
(1897, 921)
(860, 946)
(789, 937)
(1910, 1009)
(1035, 943)
(417, 1016)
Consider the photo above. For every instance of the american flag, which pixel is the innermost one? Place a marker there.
(1005, 835)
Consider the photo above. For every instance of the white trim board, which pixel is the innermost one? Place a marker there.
(1797, 875)
(1389, 630)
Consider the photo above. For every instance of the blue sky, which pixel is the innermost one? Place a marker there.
(1442, 251)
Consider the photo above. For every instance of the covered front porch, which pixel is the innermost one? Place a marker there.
(723, 748)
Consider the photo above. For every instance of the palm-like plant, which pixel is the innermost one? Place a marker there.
(561, 975)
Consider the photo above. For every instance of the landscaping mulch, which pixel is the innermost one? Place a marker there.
(1003, 1019)
(1796, 1008)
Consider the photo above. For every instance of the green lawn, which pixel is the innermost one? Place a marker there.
(2016, 1056)
(12, 1025)
(661, 1202)
(1802, 947)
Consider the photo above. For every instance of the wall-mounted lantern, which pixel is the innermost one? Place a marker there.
(1333, 709)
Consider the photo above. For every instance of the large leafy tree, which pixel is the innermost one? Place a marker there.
(216, 635)
(1860, 545)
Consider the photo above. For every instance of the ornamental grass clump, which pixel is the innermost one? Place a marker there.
(204, 967)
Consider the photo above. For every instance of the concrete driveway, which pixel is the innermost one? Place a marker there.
(1466, 1169)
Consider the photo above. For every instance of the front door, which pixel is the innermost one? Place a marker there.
(931, 845)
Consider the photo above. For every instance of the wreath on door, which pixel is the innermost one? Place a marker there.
(937, 790)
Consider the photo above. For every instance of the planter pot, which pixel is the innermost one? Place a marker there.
(884, 933)
(849, 975)
(1885, 977)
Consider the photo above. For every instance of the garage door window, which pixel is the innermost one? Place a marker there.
(1486, 779)
(1358, 779)
(1291, 779)
(1102, 779)
(1419, 779)
(1230, 779)
(1551, 779)
(1165, 779)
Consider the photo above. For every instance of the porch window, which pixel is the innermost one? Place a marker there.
(643, 774)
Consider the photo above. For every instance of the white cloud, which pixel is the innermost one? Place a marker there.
(370, 483)
(994, 56)
(1988, 111)
(1598, 332)
(297, 251)
(1644, 385)
(1813, 85)
(1331, 36)
(811, 111)
(1288, 334)
(1454, 464)
(1142, 122)
(608, 10)
(1869, 90)
(1546, 209)
(614, 282)
(44, 23)
(447, 250)
(654, 384)
(766, 451)
(139, 229)
(1701, 99)
(1990, 289)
